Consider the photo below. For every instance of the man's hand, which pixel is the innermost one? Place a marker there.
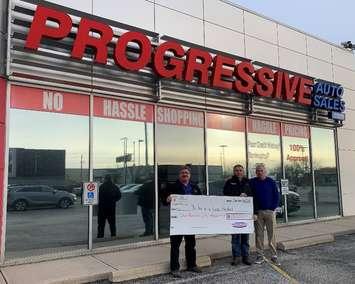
(168, 199)
(255, 217)
(243, 194)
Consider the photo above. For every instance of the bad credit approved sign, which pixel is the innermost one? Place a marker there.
(199, 214)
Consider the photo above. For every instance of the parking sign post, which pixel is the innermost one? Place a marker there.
(90, 198)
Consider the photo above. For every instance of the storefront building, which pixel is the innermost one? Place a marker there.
(90, 88)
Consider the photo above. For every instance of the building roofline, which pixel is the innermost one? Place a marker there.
(283, 24)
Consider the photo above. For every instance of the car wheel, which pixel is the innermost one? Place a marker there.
(20, 205)
(64, 203)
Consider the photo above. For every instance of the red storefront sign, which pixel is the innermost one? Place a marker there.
(263, 126)
(49, 100)
(215, 71)
(225, 122)
(180, 117)
(293, 130)
(125, 110)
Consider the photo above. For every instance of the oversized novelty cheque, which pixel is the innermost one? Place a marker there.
(199, 214)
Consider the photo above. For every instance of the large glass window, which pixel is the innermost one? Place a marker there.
(123, 150)
(325, 172)
(226, 148)
(295, 140)
(264, 147)
(48, 161)
(179, 141)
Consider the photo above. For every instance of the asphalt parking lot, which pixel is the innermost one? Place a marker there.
(327, 263)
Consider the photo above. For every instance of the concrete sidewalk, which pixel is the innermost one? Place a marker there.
(147, 261)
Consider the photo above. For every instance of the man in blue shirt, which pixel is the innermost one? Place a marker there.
(266, 199)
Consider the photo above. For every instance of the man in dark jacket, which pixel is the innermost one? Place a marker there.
(185, 187)
(238, 185)
(266, 199)
(146, 200)
(109, 194)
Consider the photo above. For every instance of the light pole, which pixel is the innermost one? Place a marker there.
(222, 158)
(139, 151)
(124, 139)
(146, 143)
(134, 161)
(81, 167)
(134, 153)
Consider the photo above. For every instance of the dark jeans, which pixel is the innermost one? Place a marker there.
(240, 245)
(190, 251)
(101, 220)
(148, 220)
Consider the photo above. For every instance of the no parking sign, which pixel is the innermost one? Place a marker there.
(90, 193)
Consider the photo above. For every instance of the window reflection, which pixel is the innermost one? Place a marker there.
(226, 148)
(300, 205)
(264, 147)
(123, 150)
(48, 161)
(325, 172)
(179, 142)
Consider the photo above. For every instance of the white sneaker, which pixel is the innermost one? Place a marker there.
(275, 260)
(260, 259)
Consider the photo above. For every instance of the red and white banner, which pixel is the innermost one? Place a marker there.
(49, 100)
(225, 122)
(125, 110)
(293, 130)
(263, 126)
(180, 117)
(2, 100)
(2, 153)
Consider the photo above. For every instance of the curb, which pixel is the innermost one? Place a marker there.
(305, 242)
(154, 269)
(83, 279)
(346, 232)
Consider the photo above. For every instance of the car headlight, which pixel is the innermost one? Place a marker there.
(74, 196)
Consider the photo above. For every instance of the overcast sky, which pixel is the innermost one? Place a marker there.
(332, 20)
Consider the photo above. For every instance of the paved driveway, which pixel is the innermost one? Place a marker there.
(329, 263)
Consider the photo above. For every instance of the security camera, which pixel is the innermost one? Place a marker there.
(348, 45)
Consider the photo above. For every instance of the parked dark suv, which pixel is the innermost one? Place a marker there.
(21, 197)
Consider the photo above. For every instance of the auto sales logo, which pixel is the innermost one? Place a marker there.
(329, 96)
